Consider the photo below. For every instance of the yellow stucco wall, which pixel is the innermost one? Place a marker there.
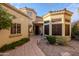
(33, 18)
(64, 14)
(5, 36)
(26, 10)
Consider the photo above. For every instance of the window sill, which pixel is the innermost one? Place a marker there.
(15, 35)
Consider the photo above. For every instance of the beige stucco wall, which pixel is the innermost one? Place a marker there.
(39, 20)
(33, 18)
(51, 16)
(47, 18)
(33, 14)
(6, 37)
(26, 10)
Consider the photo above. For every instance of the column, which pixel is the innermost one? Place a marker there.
(43, 29)
(63, 27)
(70, 29)
(50, 28)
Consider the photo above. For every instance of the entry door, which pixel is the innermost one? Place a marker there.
(37, 31)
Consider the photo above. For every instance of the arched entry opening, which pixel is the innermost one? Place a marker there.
(38, 29)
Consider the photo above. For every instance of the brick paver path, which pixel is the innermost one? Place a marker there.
(28, 49)
(57, 50)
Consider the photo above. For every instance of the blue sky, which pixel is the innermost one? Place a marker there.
(43, 8)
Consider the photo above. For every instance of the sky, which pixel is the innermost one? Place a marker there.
(43, 8)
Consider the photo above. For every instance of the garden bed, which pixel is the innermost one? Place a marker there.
(13, 45)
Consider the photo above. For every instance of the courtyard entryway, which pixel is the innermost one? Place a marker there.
(28, 49)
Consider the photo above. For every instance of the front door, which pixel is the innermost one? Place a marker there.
(37, 30)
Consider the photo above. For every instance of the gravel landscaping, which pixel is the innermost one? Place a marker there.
(57, 50)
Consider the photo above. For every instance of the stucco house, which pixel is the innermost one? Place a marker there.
(58, 23)
(19, 28)
(36, 22)
(26, 23)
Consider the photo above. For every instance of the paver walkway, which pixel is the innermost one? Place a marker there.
(28, 49)
(57, 50)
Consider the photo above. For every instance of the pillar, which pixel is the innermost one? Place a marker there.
(70, 29)
(43, 29)
(50, 28)
(63, 27)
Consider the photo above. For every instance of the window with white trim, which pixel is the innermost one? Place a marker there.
(15, 28)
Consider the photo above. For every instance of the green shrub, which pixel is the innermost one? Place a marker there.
(20, 42)
(6, 47)
(13, 45)
(62, 40)
(2, 49)
(75, 32)
(51, 39)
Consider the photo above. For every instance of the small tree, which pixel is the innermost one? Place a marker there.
(74, 29)
(75, 32)
(5, 19)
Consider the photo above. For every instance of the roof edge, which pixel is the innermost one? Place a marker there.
(58, 11)
(15, 9)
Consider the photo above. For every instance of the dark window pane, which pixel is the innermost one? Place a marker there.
(18, 28)
(13, 29)
(56, 29)
(46, 29)
(67, 29)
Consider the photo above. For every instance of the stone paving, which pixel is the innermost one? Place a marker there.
(57, 50)
(28, 49)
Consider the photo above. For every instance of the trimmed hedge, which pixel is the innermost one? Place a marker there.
(62, 40)
(51, 39)
(13, 45)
